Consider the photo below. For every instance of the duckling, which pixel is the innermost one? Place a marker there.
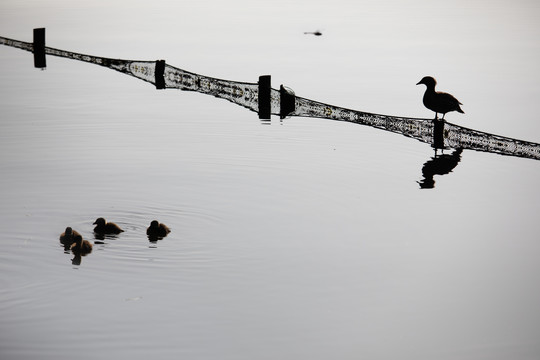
(439, 102)
(103, 227)
(66, 238)
(80, 246)
(157, 230)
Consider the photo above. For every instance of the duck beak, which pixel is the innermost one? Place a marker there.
(95, 222)
(418, 83)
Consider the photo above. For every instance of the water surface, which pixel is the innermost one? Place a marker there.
(302, 238)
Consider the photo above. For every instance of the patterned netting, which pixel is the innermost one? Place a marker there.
(453, 136)
(246, 95)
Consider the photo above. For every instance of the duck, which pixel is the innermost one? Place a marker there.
(67, 237)
(440, 102)
(156, 229)
(80, 246)
(104, 227)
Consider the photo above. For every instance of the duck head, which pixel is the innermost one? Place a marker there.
(78, 240)
(154, 224)
(428, 81)
(99, 221)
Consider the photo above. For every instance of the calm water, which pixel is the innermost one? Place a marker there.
(304, 238)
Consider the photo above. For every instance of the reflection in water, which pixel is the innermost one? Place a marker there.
(100, 237)
(438, 165)
(261, 98)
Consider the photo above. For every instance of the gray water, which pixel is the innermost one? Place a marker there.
(302, 238)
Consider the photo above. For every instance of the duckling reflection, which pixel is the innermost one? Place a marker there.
(103, 227)
(67, 238)
(157, 231)
(80, 248)
(438, 165)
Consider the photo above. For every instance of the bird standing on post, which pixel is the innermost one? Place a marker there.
(440, 102)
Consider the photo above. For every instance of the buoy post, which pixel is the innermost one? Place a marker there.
(265, 90)
(438, 134)
(287, 101)
(160, 74)
(39, 48)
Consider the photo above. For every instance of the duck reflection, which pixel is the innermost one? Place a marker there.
(67, 238)
(157, 231)
(438, 165)
(80, 248)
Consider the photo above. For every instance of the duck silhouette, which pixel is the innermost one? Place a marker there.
(104, 227)
(67, 237)
(80, 246)
(157, 231)
(440, 102)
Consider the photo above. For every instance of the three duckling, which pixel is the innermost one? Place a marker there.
(437, 101)
(71, 239)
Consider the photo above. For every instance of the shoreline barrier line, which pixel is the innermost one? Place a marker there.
(261, 98)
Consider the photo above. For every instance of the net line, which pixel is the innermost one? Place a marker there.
(246, 95)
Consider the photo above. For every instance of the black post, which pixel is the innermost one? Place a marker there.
(287, 101)
(265, 90)
(39, 48)
(438, 134)
(159, 73)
